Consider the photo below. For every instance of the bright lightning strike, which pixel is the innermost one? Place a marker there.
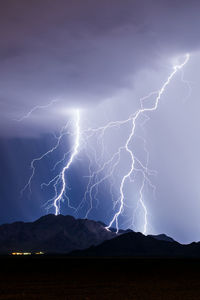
(100, 170)
(60, 178)
(134, 119)
(59, 197)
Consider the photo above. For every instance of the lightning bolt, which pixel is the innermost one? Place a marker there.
(70, 161)
(63, 132)
(37, 107)
(131, 135)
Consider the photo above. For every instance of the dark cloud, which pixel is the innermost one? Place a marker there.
(84, 51)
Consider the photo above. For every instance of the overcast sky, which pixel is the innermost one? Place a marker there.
(82, 52)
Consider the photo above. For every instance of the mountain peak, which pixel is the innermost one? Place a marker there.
(163, 237)
(52, 234)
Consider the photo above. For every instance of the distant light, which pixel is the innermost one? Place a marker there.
(21, 253)
(27, 253)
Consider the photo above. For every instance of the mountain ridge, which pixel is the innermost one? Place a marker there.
(52, 234)
(135, 244)
(82, 237)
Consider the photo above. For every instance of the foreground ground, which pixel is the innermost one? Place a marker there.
(59, 277)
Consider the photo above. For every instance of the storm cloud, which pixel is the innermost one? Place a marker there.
(83, 52)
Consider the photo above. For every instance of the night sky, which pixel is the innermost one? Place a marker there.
(101, 57)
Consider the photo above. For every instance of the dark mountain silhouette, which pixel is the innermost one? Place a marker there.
(83, 237)
(136, 244)
(52, 234)
(163, 237)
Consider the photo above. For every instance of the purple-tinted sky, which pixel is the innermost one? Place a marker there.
(85, 51)
(102, 56)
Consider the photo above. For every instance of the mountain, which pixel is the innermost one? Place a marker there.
(163, 237)
(134, 244)
(52, 234)
(83, 237)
